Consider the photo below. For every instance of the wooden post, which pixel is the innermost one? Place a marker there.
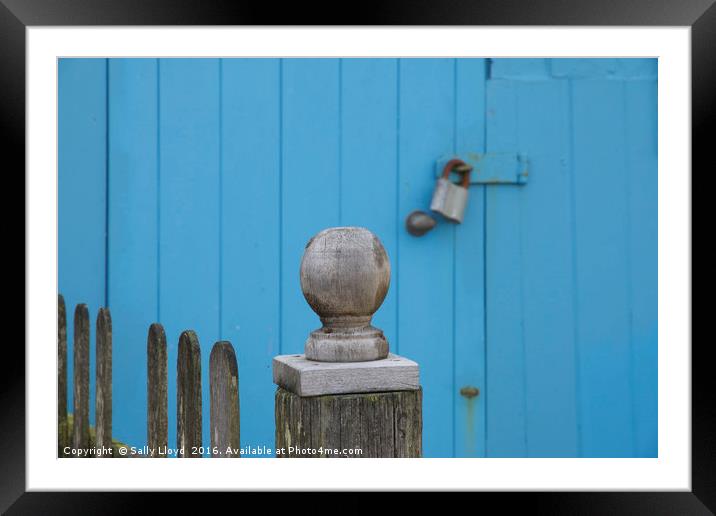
(224, 387)
(347, 396)
(157, 391)
(103, 378)
(189, 396)
(80, 416)
(382, 424)
(62, 430)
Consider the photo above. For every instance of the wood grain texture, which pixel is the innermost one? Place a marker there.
(189, 395)
(62, 431)
(103, 398)
(157, 391)
(80, 430)
(345, 274)
(224, 395)
(382, 425)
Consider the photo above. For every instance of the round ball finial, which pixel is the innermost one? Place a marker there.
(345, 275)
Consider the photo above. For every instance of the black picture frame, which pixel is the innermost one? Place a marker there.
(700, 15)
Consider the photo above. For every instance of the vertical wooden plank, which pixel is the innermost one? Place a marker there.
(602, 277)
(386, 431)
(409, 424)
(62, 431)
(506, 411)
(281, 425)
(103, 377)
(189, 395)
(368, 187)
(302, 415)
(250, 220)
(80, 412)
(310, 180)
(641, 125)
(469, 309)
(157, 391)
(425, 268)
(530, 291)
(350, 427)
(189, 227)
(132, 273)
(546, 271)
(326, 425)
(81, 185)
(225, 415)
(368, 425)
(287, 419)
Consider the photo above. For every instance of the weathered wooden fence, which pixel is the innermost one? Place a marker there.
(75, 437)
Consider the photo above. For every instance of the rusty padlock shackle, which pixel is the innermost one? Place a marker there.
(457, 164)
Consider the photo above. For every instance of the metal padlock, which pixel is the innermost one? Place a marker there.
(450, 199)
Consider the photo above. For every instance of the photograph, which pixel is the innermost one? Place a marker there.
(357, 257)
(453, 243)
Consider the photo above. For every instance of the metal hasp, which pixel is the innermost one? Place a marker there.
(455, 173)
(492, 168)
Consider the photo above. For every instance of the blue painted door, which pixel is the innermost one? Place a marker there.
(189, 187)
(571, 260)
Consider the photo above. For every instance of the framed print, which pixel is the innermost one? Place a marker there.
(459, 237)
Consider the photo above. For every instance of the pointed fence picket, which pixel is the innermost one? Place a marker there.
(189, 396)
(63, 434)
(82, 440)
(80, 352)
(103, 396)
(224, 386)
(157, 435)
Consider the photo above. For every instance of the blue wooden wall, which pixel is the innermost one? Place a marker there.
(188, 189)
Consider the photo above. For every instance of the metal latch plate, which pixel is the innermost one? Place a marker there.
(492, 168)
